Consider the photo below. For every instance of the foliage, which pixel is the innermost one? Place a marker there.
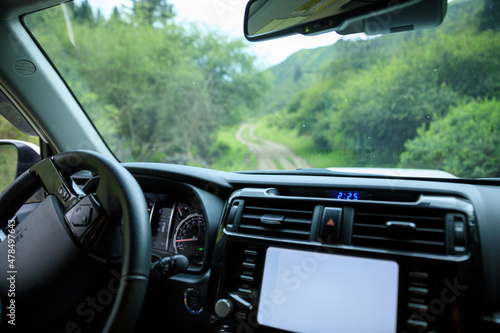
(153, 11)
(360, 102)
(271, 128)
(474, 151)
(489, 14)
(378, 92)
(8, 154)
(230, 154)
(8, 167)
(8, 131)
(156, 90)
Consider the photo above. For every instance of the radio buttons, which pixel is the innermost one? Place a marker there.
(248, 265)
(250, 252)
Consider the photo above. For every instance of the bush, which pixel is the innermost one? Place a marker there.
(471, 151)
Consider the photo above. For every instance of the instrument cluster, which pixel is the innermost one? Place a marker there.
(178, 227)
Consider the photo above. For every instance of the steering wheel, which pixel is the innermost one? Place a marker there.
(56, 265)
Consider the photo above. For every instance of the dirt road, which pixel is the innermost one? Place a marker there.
(270, 155)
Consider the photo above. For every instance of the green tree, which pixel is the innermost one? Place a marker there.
(152, 11)
(115, 15)
(83, 12)
(472, 151)
(489, 15)
(379, 91)
(155, 90)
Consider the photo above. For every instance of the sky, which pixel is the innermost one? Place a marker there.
(227, 16)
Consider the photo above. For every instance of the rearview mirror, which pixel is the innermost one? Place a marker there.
(268, 19)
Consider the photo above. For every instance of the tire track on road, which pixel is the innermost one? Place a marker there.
(268, 152)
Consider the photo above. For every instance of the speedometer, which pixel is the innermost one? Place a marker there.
(189, 238)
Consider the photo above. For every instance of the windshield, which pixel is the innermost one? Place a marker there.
(175, 82)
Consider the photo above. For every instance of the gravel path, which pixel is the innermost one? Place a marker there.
(270, 155)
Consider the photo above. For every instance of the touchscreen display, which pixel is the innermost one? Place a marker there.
(306, 291)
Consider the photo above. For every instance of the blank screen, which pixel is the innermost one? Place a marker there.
(317, 292)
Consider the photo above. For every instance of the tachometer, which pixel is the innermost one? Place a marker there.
(189, 238)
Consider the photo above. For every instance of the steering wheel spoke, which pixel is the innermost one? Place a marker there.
(66, 191)
(85, 219)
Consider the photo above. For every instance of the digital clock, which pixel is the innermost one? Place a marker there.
(348, 195)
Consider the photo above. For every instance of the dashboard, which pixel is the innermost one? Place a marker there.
(312, 253)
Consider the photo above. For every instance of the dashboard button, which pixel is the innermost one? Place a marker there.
(418, 274)
(246, 278)
(330, 227)
(418, 307)
(417, 323)
(250, 252)
(419, 291)
(245, 291)
(193, 301)
(248, 265)
(223, 308)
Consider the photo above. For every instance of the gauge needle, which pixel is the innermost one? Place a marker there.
(186, 240)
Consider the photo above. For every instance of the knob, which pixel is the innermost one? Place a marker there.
(223, 308)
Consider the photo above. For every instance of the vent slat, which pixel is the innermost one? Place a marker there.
(366, 225)
(369, 225)
(440, 231)
(295, 223)
(427, 234)
(252, 217)
(393, 216)
(287, 219)
(294, 211)
(296, 220)
(413, 241)
(285, 231)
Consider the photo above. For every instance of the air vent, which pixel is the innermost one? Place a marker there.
(416, 230)
(286, 219)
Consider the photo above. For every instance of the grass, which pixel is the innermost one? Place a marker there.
(301, 145)
(235, 156)
(8, 165)
(279, 166)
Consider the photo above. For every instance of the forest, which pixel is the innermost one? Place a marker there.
(432, 102)
(423, 99)
(156, 90)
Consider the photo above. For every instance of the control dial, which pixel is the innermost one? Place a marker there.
(223, 307)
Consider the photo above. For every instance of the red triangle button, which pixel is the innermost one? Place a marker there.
(330, 223)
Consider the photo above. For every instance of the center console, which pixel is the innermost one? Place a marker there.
(321, 260)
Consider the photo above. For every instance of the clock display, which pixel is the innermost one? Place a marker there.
(348, 195)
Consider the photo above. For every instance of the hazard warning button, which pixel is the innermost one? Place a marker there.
(330, 227)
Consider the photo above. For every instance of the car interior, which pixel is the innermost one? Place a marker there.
(90, 243)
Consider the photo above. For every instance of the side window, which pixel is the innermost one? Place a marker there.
(8, 159)
(22, 131)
